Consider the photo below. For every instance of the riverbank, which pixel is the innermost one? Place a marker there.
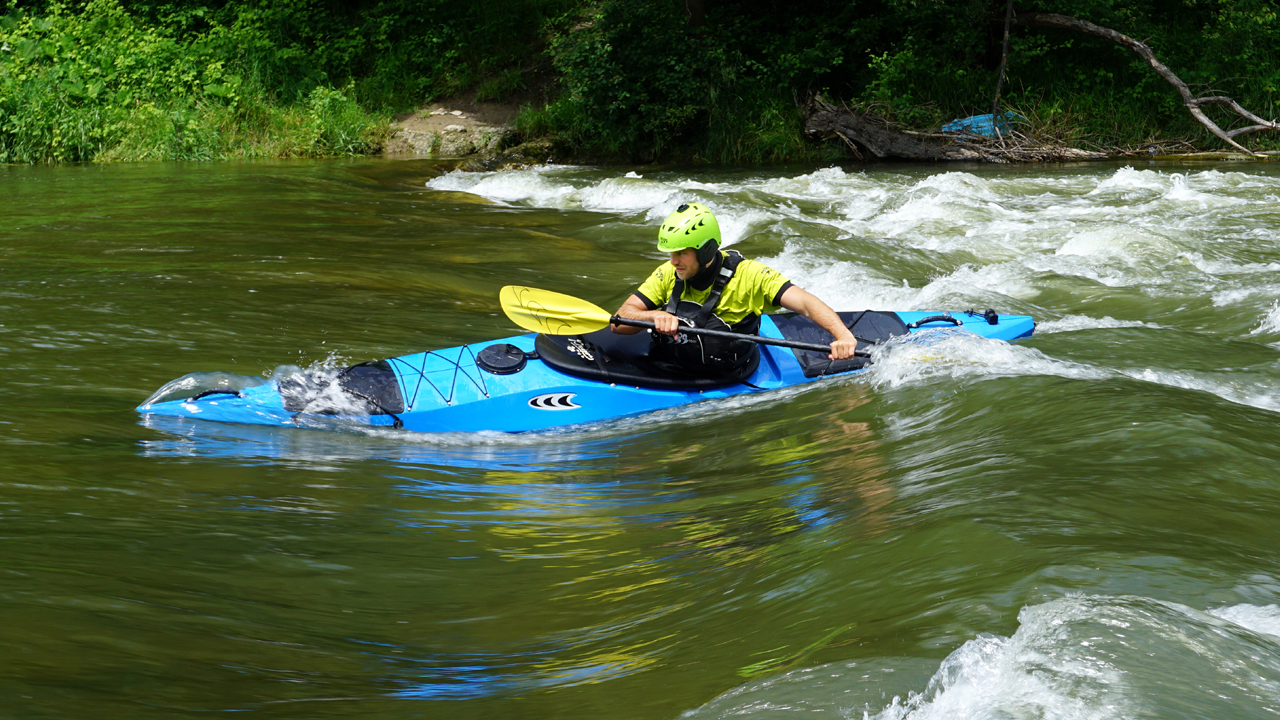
(485, 136)
(598, 81)
(451, 129)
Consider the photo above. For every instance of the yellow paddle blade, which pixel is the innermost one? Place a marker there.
(551, 312)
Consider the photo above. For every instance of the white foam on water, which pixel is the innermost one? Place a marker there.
(846, 284)
(1124, 243)
(831, 195)
(1103, 269)
(1181, 191)
(649, 200)
(956, 354)
(994, 677)
(1128, 179)
(891, 204)
(627, 195)
(1166, 203)
(1252, 391)
(1227, 267)
(1008, 279)
(999, 241)
(1072, 323)
(1264, 620)
(1223, 298)
(937, 212)
(1270, 322)
(827, 184)
(1100, 657)
(1231, 180)
(533, 186)
(737, 224)
(1072, 658)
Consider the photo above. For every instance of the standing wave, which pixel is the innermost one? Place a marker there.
(1074, 658)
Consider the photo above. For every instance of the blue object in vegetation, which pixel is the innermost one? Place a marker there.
(982, 124)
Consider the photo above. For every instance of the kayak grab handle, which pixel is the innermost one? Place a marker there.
(215, 391)
(935, 318)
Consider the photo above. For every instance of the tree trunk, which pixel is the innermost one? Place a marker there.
(865, 131)
(695, 12)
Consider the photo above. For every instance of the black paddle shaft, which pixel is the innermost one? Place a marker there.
(811, 347)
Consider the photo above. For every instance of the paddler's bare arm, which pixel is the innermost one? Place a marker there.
(634, 309)
(805, 303)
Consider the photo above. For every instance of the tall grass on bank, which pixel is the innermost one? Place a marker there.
(327, 124)
(754, 126)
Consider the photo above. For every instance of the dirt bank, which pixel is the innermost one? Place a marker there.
(454, 128)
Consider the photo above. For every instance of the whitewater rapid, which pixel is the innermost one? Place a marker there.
(1126, 248)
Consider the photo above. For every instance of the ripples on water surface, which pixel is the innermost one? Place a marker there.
(1082, 525)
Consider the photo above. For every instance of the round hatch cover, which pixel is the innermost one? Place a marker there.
(502, 359)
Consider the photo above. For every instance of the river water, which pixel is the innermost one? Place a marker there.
(1079, 525)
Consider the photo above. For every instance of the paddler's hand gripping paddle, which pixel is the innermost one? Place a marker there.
(554, 313)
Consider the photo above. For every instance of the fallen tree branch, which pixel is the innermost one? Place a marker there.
(861, 129)
(1192, 103)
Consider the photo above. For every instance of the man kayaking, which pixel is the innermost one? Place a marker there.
(703, 286)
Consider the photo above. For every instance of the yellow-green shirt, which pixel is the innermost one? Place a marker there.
(755, 289)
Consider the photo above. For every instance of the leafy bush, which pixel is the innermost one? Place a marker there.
(240, 78)
(100, 83)
(639, 79)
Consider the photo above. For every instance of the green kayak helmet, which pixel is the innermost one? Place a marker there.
(691, 226)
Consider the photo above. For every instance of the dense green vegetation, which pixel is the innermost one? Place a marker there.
(718, 80)
(239, 78)
(639, 79)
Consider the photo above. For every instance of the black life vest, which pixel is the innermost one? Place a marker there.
(699, 353)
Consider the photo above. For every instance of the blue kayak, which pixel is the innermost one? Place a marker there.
(535, 381)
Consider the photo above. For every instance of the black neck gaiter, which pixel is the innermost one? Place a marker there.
(707, 273)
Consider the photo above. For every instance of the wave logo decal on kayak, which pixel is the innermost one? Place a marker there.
(554, 401)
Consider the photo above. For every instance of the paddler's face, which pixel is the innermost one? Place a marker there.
(685, 262)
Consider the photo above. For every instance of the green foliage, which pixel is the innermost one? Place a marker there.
(1227, 47)
(68, 81)
(760, 127)
(503, 85)
(646, 82)
(563, 120)
(636, 72)
(100, 83)
(241, 78)
(98, 79)
(328, 123)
